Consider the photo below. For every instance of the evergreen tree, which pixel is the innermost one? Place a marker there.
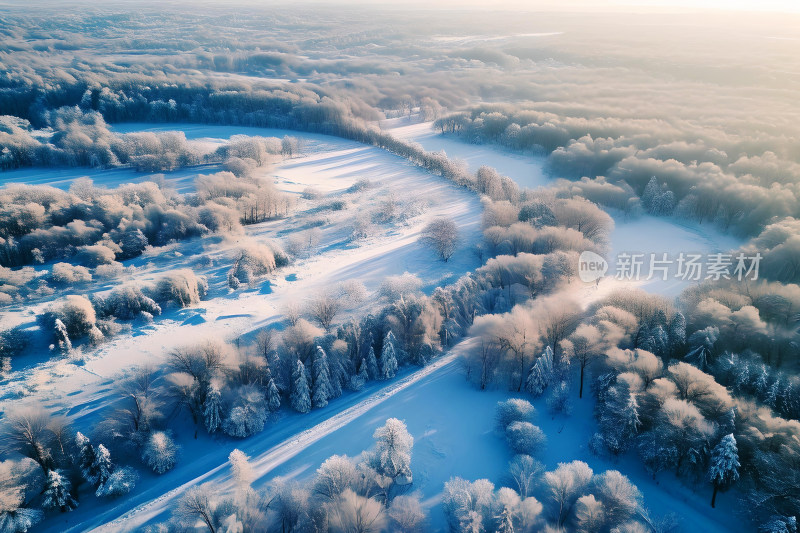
(273, 396)
(506, 524)
(372, 363)
(212, 408)
(339, 377)
(86, 458)
(322, 379)
(677, 333)
(541, 373)
(300, 398)
(724, 468)
(619, 418)
(57, 493)
(388, 362)
(102, 465)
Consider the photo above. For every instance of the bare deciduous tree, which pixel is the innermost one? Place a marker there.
(441, 234)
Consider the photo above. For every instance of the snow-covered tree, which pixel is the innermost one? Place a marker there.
(86, 458)
(407, 513)
(301, 398)
(619, 418)
(441, 235)
(57, 492)
(540, 374)
(241, 469)
(513, 410)
(621, 499)
(564, 485)
(273, 396)
(63, 341)
(525, 471)
(334, 476)
(102, 466)
(120, 482)
(354, 513)
(393, 445)
(524, 437)
(248, 414)
(160, 452)
(388, 361)
(558, 401)
(322, 380)
(505, 523)
(724, 467)
(372, 363)
(589, 514)
(213, 408)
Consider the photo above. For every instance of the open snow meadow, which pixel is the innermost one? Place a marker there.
(358, 267)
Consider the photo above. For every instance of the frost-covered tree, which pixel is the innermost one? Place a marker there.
(196, 506)
(504, 522)
(407, 514)
(322, 380)
(441, 235)
(558, 401)
(724, 467)
(524, 437)
(301, 396)
(86, 458)
(619, 418)
(372, 363)
(120, 482)
(241, 469)
(564, 486)
(526, 472)
(273, 396)
(334, 476)
(57, 492)
(540, 374)
(393, 445)
(102, 466)
(621, 499)
(20, 482)
(248, 413)
(589, 514)
(160, 452)
(213, 408)
(388, 361)
(513, 410)
(354, 513)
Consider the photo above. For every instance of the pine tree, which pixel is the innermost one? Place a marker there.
(212, 408)
(86, 458)
(301, 399)
(322, 379)
(724, 468)
(506, 524)
(651, 191)
(619, 418)
(338, 378)
(102, 465)
(771, 397)
(372, 364)
(363, 372)
(541, 373)
(273, 396)
(57, 493)
(388, 362)
(677, 333)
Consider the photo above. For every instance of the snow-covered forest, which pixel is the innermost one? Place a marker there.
(306, 268)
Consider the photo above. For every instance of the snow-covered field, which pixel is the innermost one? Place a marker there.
(450, 421)
(643, 234)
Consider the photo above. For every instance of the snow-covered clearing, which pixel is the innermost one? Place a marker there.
(642, 235)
